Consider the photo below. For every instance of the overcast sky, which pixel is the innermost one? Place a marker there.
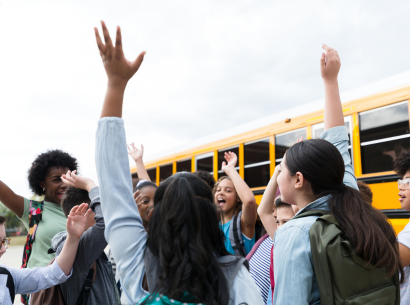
(210, 65)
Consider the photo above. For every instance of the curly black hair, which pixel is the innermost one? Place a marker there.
(39, 168)
(402, 163)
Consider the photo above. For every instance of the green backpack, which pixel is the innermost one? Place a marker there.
(342, 276)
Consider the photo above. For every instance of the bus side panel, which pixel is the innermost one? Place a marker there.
(385, 195)
(398, 224)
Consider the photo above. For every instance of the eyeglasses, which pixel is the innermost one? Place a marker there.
(405, 183)
(5, 243)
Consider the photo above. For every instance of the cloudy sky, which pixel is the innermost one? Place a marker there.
(210, 65)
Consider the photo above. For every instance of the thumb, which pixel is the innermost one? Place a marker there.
(323, 60)
(223, 164)
(135, 65)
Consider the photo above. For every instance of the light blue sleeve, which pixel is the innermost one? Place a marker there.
(123, 225)
(31, 280)
(293, 267)
(338, 137)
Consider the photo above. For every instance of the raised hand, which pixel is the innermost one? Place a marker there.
(70, 178)
(77, 220)
(230, 163)
(137, 198)
(329, 64)
(119, 70)
(134, 152)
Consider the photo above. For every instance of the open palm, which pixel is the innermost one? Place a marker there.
(134, 152)
(231, 160)
(77, 220)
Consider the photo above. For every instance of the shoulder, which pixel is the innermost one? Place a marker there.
(297, 225)
(404, 236)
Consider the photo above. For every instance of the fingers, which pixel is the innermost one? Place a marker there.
(142, 149)
(118, 40)
(100, 44)
(107, 38)
(223, 164)
(323, 60)
(137, 200)
(135, 65)
(136, 194)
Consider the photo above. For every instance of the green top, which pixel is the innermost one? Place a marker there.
(160, 300)
(53, 221)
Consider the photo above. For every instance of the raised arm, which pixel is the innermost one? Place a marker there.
(266, 207)
(11, 200)
(123, 225)
(248, 218)
(119, 71)
(329, 68)
(137, 155)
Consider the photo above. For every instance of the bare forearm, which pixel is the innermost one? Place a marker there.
(141, 171)
(67, 256)
(11, 200)
(266, 207)
(243, 190)
(114, 97)
(333, 105)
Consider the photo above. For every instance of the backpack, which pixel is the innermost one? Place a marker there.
(235, 234)
(54, 296)
(34, 218)
(342, 276)
(10, 283)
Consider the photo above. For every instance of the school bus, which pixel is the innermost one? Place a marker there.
(377, 121)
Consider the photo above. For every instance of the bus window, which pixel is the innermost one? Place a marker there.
(165, 171)
(319, 128)
(384, 132)
(184, 166)
(152, 173)
(257, 163)
(284, 141)
(205, 162)
(221, 158)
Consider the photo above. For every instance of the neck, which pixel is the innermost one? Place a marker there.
(46, 198)
(304, 201)
(227, 216)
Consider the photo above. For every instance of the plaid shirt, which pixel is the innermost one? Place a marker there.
(28, 281)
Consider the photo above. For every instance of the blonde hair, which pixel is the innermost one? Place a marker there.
(238, 206)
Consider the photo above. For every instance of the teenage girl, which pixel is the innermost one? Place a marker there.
(317, 174)
(183, 254)
(234, 197)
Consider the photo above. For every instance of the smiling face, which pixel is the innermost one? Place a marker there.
(404, 193)
(225, 196)
(54, 186)
(146, 202)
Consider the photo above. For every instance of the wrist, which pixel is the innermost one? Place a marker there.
(72, 239)
(330, 81)
(116, 84)
(90, 186)
(228, 170)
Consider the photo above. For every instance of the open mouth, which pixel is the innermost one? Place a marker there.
(60, 195)
(221, 201)
(402, 197)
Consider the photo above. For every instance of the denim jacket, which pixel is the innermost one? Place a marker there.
(124, 231)
(295, 280)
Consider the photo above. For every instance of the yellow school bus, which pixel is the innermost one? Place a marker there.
(376, 118)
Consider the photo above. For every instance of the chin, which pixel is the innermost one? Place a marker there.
(405, 205)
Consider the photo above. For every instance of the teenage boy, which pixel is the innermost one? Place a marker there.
(25, 281)
(90, 253)
(284, 212)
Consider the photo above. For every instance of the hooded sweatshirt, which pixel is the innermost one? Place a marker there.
(90, 249)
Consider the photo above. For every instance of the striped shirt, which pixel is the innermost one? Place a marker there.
(28, 281)
(404, 238)
(259, 265)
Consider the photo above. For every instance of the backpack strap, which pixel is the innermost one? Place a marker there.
(256, 246)
(85, 292)
(235, 235)
(10, 283)
(34, 218)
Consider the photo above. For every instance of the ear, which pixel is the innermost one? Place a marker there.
(299, 180)
(42, 184)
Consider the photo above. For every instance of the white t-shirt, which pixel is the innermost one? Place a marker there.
(404, 239)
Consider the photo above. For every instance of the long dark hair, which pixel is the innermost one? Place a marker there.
(365, 227)
(184, 235)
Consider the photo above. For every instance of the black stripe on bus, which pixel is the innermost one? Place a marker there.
(401, 214)
(380, 179)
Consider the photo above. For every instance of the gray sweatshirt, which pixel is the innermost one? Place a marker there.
(90, 249)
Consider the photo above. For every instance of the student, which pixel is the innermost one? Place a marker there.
(260, 262)
(317, 175)
(91, 246)
(207, 177)
(234, 197)
(144, 193)
(181, 255)
(284, 212)
(26, 281)
(402, 168)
